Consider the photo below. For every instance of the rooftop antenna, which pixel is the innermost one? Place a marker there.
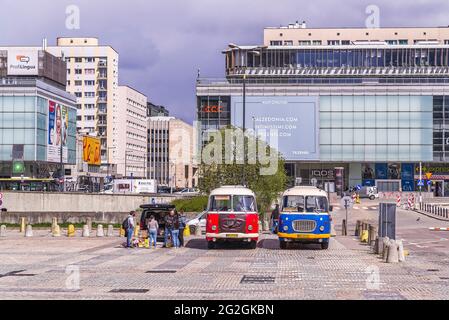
(44, 44)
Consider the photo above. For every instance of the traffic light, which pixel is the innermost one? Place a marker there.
(18, 167)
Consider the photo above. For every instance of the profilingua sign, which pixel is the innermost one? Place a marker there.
(22, 62)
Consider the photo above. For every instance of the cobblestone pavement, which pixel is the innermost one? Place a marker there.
(44, 267)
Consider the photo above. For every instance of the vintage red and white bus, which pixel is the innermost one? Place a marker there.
(232, 216)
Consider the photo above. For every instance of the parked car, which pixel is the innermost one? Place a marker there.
(188, 191)
(368, 192)
(201, 219)
(163, 189)
(159, 211)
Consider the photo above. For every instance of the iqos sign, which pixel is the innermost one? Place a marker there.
(322, 173)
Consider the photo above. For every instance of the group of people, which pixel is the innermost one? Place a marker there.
(175, 223)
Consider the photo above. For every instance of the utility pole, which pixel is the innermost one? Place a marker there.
(244, 128)
(420, 180)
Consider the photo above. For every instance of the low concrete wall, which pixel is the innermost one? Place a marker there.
(77, 202)
(63, 217)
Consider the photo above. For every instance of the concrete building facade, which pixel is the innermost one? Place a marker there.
(171, 146)
(37, 120)
(129, 133)
(350, 106)
(92, 76)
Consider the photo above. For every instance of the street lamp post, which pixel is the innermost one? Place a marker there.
(243, 66)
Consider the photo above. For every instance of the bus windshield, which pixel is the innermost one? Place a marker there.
(220, 203)
(244, 203)
(316, 204)
(294, 203)
(228, 203)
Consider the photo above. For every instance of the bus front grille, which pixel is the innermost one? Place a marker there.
(304, 225)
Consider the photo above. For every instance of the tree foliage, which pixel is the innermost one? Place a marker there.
(266, 186)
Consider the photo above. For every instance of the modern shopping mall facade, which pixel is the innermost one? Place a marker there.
(350, 106)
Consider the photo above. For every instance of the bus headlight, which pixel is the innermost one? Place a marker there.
(250, 227)
(322, 228)
(214, 228)
(285, 228)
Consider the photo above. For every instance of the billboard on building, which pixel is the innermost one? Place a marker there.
(293, 121)
(22, 62)
(91, 150)
(58, 123)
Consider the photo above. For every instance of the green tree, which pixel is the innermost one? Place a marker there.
(221, 171)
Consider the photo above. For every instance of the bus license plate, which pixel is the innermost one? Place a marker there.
(231, 235)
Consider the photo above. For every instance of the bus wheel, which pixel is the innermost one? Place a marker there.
(283, 244)
(253, 245)
(210, 245)
(325, 245)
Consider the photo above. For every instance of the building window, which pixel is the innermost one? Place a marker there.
(78, 60)
(304, 42)
(78, 71)
(345, 42)
(403, 41)
(333, 42)
(288, 42)
(90, 59)
(89, 71)
(78, 82)
(276, 43)
(78, 94)
(316, 42)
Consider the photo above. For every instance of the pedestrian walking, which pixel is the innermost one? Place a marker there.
(129, 225)
(175, 230)
(182, 226)
(153, 227)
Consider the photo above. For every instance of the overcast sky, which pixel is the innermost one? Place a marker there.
(162, 43)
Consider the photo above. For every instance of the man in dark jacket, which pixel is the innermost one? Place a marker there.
(275, 218)
(168, 219)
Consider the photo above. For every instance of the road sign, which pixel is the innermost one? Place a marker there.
(429, 175)
(420, 183)
(359, 187)
(346, 202)
(429, 183)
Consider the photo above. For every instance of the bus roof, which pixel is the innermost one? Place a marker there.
(305, 191)
(232, 190)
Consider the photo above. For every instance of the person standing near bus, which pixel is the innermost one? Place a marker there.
(182, 226)
(152, 226)
(130, 229)
(175, 230)
(275, 218)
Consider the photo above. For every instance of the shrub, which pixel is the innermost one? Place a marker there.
(195, 204)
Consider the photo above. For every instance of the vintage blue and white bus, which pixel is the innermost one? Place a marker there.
(305, 217)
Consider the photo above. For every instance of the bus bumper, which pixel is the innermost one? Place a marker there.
(304, 237)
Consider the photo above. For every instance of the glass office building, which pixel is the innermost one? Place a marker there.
(382, 105)
(37, 123)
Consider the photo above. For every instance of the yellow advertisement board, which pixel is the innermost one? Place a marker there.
(91, 150)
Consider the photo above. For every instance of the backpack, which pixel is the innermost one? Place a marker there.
(125, 224)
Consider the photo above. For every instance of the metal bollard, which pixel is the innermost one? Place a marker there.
(371, 234)
(344, 230)
(56, 231)
(358, 228)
